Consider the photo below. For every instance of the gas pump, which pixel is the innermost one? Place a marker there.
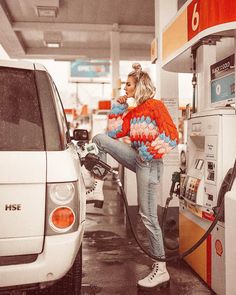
(206, 48)
(211, 150)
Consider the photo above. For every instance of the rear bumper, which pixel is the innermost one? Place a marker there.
(52, 264)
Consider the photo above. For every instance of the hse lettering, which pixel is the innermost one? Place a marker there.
(12, 207)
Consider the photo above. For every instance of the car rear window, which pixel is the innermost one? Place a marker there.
(20, 119)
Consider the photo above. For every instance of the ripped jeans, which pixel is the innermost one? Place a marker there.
(148, 176)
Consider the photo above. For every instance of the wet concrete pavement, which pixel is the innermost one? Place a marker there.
(112, 261)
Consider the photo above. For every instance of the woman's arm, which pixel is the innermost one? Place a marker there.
(118, 122)
(168, 134)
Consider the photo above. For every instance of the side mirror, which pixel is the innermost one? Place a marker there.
(80, 135)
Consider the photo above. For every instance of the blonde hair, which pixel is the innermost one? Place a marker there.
(144, 88)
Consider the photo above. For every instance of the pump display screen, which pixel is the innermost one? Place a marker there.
(199, 163)
(223, 82)
(223, 90)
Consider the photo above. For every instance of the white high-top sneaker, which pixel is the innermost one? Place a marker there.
(95, 194)
(158, 278)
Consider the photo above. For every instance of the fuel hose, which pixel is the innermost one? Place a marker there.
(93, 162)
(231, 172)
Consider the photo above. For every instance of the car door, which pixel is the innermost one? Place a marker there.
(22, 164)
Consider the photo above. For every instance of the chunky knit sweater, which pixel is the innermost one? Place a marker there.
(149, 125)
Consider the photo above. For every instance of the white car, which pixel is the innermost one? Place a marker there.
(42, 193)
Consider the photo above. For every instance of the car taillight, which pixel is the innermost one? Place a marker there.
(62, 193)
(62, 219)
(62, 208)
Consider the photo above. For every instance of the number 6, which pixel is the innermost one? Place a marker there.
(195, 18)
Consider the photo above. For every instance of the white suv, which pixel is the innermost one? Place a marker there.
(42, 193)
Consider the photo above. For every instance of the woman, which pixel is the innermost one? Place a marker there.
(152, 134)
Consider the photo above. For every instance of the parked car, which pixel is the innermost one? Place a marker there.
(42, 192)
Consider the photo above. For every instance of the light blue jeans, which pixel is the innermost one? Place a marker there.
(148, 176)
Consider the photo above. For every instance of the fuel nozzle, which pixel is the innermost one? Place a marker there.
(96, 166)
(175, 179)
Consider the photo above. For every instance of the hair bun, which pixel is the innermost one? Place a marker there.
(137, 67)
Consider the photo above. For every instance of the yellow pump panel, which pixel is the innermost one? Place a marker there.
(190, 233)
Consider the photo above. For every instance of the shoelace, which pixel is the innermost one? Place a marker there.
(153, 274)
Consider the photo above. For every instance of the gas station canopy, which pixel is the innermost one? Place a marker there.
(73, 29)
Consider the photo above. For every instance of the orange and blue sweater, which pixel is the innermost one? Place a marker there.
(149, 125)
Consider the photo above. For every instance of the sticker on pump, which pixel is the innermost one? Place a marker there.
(194, 209)
(208, 216)
(218, 247)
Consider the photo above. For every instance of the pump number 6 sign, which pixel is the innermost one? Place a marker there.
(195, 18)
(198, 11)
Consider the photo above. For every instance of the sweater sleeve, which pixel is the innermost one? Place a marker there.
(167, 138)
(119, 121)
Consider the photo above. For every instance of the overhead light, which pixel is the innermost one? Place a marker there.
(52, 39)
(47, 11)
(53, 44)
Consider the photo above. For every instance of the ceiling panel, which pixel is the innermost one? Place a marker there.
(80, 25)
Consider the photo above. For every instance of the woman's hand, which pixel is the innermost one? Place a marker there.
(122, 99)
